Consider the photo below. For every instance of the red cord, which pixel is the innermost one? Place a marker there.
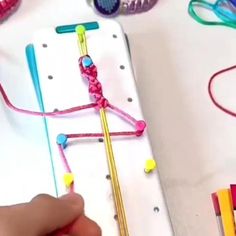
(210, 85)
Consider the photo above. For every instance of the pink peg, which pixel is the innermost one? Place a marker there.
(140, 127)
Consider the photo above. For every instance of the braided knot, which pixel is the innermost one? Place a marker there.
(89, 72)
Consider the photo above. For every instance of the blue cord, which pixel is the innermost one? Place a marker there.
(225, 11)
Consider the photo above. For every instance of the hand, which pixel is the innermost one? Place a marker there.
(46, 215)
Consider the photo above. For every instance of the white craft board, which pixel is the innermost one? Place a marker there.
(87, 158)
(25, 168)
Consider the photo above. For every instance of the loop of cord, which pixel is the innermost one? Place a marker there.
(211, 94)
(223, 9)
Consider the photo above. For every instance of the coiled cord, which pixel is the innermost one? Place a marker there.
(223, 9)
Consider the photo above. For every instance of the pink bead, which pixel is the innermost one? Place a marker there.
(140, 126)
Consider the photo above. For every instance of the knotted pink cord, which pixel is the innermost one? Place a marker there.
(95, 90)
(95, 87)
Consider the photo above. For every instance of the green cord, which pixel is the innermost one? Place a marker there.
(209, 6)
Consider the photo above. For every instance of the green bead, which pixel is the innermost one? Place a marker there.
(80, 29)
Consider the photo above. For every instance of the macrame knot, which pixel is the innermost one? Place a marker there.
(89, 72)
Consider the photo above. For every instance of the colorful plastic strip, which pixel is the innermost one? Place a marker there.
(64, 29)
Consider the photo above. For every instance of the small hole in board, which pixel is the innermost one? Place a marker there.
(122, 67)
(50, 77)
(115, 217)
(108, 177)
(130, 99)
(156, 209)
(44, 45)
(55, 110)
(100, 140)
(114, 36)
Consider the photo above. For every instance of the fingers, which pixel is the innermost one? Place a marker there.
(43, 215)
(83, 226)
(49, 214)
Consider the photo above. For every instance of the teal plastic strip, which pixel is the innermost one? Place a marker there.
(30, 54)
(71, 28)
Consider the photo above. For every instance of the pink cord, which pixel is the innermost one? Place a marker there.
(89, 72)
(95, 87)
(43, 114)
(210, 85)
(122, 113)
(66, 164)
(63, 157)
(7, 7)
(97, 135)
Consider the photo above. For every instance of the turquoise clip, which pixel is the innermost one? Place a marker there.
(64, 29)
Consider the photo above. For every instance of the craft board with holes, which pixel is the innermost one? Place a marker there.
(61, 86)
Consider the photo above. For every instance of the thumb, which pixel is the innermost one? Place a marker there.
(51, 214)
(84, 226)
(44, 214)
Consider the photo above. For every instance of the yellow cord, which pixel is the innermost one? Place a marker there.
(82, 42)
(114, 177)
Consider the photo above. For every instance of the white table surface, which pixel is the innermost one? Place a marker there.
(173, 57)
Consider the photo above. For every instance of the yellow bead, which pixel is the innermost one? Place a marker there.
(150, 166)
(80, 29)
(68, 179)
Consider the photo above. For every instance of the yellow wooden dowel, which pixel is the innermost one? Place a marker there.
(114, 176)
(123, 227)
(82, 40)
